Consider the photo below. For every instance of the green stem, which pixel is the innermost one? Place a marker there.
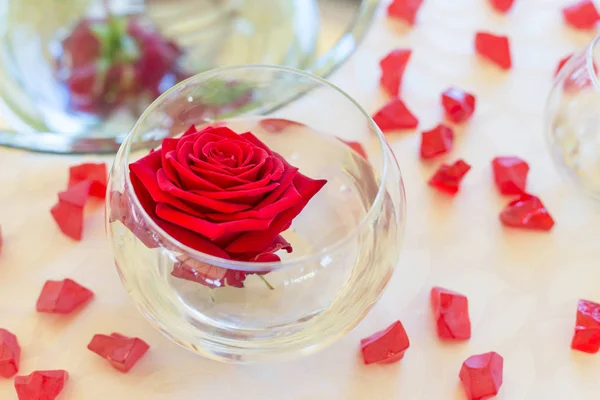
(266, 282)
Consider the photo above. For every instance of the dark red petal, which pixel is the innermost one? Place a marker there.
(277, 125)
(458, 105)
(392, 70)
(10, 354)
(385, 346)
(448, 177)
(587, 327)
(562, 63)
(200, 272)
(494, 48)
(481, 375)
(581, 15)
(502, 6)
(68, 212)
(510, 174)
(96, 173)
(121, 351)
(527, 212)
(405, 10)
(235, 194)
(451, 312)
(41, 385)
(395, 116)
(436, 141)
(62, 297)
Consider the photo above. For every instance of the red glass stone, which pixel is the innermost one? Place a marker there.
(395, 116)
(121, 351)
(436, 141)
(62, 297)
(481, 375)
(527, 212)
(581, 15)
(510, 174)
(386, 346)
(451, 312)
(458, 105)
(502, 6)
(448, 177)
(562, 63)
(587, 327)
(41, 385)
(392, 70)
(96, 173)
(494, 48)
(10, 354)
(406, 10)
(357, 147)
(277, 125)
(68, 212)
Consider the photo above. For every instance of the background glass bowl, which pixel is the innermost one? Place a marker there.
(38, 113)
(346, 241)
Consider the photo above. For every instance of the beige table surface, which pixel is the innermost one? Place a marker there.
(523, 287)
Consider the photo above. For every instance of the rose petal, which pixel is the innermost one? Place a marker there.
(96, 173)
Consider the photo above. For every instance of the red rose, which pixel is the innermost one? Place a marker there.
(221, 193)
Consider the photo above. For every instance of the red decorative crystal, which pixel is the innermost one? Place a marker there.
(587, 327)
(121, 351)
(405, 10)
(451, 312)
(96, 173)
(527, 212)
(510, 174)
(395, 116)
(447, 178)
(10, 354)
(357, 147)
(386, 346)
(68, 212)
(502, 6)
(392, 70)
(277, 125)
(562, 63)
(481, 375)
(458, 105)
(581, 15)
(494, 48)
(436, 141)
(41, 385)
(62, 297)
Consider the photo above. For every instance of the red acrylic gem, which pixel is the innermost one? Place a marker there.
(357, 147)
(447, 178)
(405, 10)
(458, 105)
(68, 212)
(392, 70)
(451, 311)
(96, 173)
(277, 125)
(436, 141)
(562, 63)
(494, 48)
(502, 6)
(385, 346)
(587, 327)
(510, 174)
(481, 375)
(62, 297)
(10, 354)
(121, 351)
(527, 212)
(395, 116)
(41, 385)
(581, 15)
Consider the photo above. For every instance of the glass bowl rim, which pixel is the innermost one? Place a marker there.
(589, 55)
(247, 265)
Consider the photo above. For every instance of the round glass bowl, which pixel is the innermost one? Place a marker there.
(573, 120)
(345, 241)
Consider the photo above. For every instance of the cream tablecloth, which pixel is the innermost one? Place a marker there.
(523, 287)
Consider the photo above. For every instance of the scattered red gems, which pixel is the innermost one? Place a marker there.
(502, 6)
(62, 297)
(510, 174)
(41, 385)
(494, 48)
(451, 312)
(392, 70)
(581, 15)
(96, 173)
(458, 105)
(395, 116)
(10, 354)
(436, 141)
(527, 212)
(562, 63)
(386, 346)
(448, 177)
(406, 10)
(587, 327)
(276, 125)
(481, 375)
(121, 351)
(68, 212)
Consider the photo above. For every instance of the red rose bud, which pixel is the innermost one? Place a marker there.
(405, 10)
(481, 375)
(95, 173)
(451, 312)
(41, 385)
(395, 116)
(581, 15)
(494, 48)
(448, 177)
(458, 105)
(392, 70)
(386, 346)
(527, 212)
(62, 297)
(436, 141)
(510, 174)
(587, 327)
(10, 354)
(121, 351)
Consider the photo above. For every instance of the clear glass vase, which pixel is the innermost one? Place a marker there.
(345, 242)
